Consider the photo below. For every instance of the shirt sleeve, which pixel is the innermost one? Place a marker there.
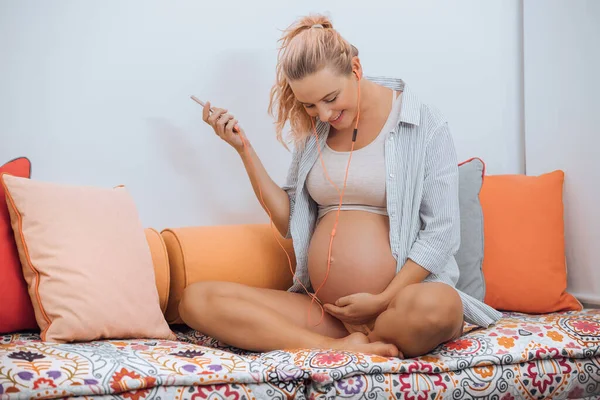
(290, 186)
(439, 237)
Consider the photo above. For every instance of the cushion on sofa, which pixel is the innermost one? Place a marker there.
(470, 253)
(160, 260)
(16, 311)
(86, 261)
(524, 261)
(248, 254)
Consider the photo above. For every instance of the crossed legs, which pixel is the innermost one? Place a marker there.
(421, 317)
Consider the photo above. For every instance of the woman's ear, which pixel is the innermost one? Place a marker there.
(357, 67)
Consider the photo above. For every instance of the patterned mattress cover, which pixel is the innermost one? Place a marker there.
(522, 357)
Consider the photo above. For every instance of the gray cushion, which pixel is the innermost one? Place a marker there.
(470, 254)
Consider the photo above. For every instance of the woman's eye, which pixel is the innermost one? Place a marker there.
(327, 101)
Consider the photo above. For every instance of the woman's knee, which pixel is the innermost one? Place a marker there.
(430, 307)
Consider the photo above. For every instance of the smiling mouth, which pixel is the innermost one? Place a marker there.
(338, 117)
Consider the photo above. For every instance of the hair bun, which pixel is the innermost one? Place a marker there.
(315, 21)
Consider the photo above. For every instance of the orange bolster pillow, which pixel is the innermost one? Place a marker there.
(248, 254)
(160, 260)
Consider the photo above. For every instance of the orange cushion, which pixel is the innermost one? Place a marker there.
(247, 254)
(160, 260)
(524, 253)
(86, 261)
(16, 311)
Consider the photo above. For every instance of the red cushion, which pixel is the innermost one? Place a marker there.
(16, 311)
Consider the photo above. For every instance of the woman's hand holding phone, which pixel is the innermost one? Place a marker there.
(224, 124)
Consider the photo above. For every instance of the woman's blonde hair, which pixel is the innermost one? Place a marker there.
(308, 45)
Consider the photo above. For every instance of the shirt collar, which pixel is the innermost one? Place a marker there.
(410, 111)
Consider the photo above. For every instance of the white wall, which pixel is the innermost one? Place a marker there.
(562, 121)
(97, 93)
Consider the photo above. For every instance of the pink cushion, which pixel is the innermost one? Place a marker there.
(86, 261)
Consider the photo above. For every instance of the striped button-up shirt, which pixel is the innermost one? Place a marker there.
(421, 195)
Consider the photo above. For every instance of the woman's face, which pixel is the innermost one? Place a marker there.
(330, 96)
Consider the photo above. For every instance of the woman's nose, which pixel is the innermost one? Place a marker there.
(324, 115)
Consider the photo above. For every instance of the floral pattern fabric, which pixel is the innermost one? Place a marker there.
(522, 357)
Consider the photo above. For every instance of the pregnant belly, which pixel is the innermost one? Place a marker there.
(361, 257)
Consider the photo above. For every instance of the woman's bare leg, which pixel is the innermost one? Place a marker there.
(259, 319)
(421, 317)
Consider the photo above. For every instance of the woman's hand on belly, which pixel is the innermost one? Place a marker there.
(358, 308)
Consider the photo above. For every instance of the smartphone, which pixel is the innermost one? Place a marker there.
(197, 100)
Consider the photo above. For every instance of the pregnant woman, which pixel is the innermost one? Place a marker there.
(387, 281)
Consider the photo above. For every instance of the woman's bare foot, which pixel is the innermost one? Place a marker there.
(359, 342)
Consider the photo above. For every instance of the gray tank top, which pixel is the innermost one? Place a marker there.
(365, 187)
